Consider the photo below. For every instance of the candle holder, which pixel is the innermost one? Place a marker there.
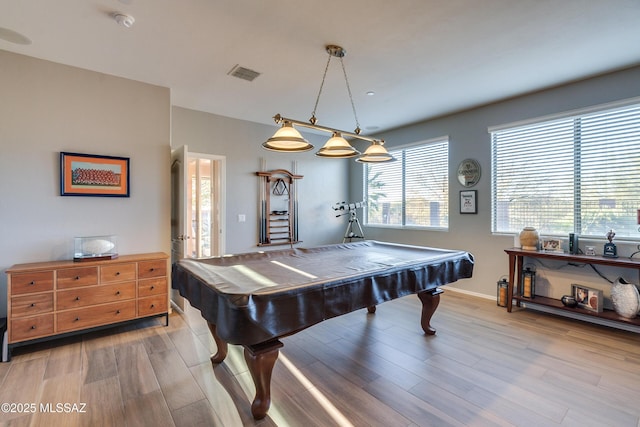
(501, 293)
(528, 283)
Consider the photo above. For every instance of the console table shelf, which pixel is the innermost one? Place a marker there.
(557, 304)
(516, 257)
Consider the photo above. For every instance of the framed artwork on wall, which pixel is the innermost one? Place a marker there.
(93, 175)
(468, 203)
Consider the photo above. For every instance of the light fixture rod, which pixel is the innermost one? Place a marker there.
(279, 119)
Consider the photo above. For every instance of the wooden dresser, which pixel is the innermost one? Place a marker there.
(46, 299)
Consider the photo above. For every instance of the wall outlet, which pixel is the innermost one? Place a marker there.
(242, 217)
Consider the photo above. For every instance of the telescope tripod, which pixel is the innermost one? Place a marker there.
(349, 232)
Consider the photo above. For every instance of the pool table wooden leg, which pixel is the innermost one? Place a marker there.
(222, 346)
(260, 360)
(430, 300)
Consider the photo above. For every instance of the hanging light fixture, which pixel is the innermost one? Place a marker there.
(288, 139)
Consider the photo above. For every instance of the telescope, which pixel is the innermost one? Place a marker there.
(348, 207)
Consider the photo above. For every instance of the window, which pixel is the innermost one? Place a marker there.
(578, 174)
(412, 191)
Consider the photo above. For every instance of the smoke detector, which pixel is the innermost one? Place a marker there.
(124, 20)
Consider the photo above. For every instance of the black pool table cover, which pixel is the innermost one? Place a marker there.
(256, 297)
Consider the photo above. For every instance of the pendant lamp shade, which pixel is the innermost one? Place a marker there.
(337, 147)
(376, 153)
(287, 138)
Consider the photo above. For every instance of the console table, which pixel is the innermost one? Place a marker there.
(516, 257)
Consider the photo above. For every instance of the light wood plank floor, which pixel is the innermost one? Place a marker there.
(484, 367)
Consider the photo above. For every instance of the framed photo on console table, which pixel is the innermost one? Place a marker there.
(587, 298)
(93, 175)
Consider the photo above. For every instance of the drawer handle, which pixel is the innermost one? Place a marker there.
(152, 269)
(117, 311)
(77, 278)
(33, 326)
(33, 282)
(153, 305)
(117, 273)
(152, 287)
(76, 319)
(117, 292)
(33, 304)
(77, 298)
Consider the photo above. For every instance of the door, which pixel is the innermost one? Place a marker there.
(204, 205)
(179, 231)
(197, 213)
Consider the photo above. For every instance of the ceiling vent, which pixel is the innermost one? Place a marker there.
(243, 73)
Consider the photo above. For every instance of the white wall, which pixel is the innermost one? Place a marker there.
(468, 138)
(46, 108)
(323, 184)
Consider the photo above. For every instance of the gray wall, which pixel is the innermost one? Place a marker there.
(47, 108)
(324, 182)
(468, 138)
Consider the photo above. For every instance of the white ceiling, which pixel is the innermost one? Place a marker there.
(422, 58)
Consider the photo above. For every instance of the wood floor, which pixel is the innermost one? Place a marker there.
(484, 367)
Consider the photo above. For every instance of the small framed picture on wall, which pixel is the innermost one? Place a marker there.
(468, 202)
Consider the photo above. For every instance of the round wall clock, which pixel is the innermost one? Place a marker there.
(468, 172)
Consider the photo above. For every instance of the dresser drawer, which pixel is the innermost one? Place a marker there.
(152, 305)
(73, 277)
(155, 268)
(29, 305)
(117, 273)
(30, 328)
(37, 281)
(82, 297)
(96, 316)
(150, 287)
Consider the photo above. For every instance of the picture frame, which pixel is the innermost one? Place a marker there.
(468, 202)
(552, 245)
(588, 298)
(94, 175)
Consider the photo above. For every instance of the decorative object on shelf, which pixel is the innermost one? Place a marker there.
(95, 248)
(278, 208)
(288, 139)
(468, 172)
(590, 250)
(529, 239)
(93, 175)
(625, 298)
(502, 288)
(468, 203)
(610, 249)
(573, 244)
(552, 245)
(528, 283)
(569, 301)
(587, 298)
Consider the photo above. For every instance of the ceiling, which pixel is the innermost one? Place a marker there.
(422, 58)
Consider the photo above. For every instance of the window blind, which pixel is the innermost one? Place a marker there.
(577, 174)
(413, 191)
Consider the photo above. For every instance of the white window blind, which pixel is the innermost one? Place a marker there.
(412, 191)
(577, 174)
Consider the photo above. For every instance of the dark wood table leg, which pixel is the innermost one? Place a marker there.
(260, 360)
(518, 278)
(430, 300)
(512, 266)
(222, 346)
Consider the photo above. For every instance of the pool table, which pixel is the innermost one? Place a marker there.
(254, 299)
